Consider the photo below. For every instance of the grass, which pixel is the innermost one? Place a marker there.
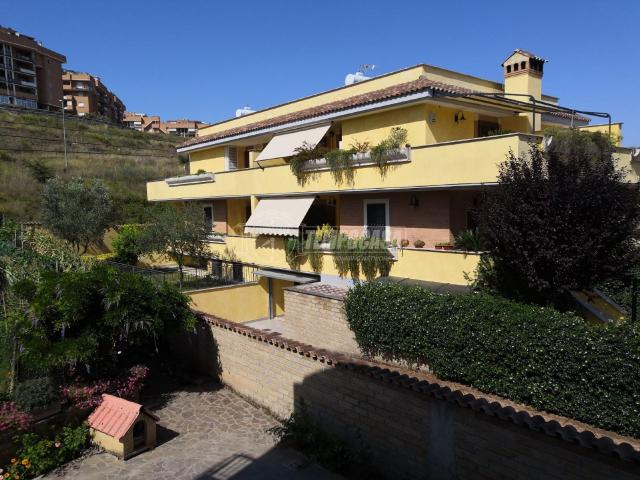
(31, 149)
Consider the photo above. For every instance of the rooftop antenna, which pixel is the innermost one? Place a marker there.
(366, 67)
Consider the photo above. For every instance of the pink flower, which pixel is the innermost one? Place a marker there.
(57, 444)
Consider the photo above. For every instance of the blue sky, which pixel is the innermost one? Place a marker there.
(203, 59)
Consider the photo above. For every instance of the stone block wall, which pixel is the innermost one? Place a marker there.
(414, 426)
(314, 314)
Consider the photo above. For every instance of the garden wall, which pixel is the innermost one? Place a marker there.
(314, 314)
(413, 426)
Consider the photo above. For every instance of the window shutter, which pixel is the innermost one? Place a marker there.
(230, 158)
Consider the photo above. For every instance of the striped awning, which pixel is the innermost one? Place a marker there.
(285, 144)
(278, 216)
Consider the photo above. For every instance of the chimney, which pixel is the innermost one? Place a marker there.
(523, 75)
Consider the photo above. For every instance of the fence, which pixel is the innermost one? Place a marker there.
(212, 273)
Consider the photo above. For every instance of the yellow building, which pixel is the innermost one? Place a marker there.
(459, 128)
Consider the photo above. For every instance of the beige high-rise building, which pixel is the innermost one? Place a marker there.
(30, 74)
(85, 94)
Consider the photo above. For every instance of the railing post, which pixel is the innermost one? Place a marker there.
(634, 299)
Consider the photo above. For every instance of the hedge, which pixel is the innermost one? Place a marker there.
(539, 356)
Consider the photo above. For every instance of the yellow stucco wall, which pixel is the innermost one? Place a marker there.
(236, 215)
(466, 162)
(236, 303)
(616, 131)
(420, 264)
(209, 160)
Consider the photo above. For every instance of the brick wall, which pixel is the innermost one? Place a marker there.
(318, 319)
(412, 429)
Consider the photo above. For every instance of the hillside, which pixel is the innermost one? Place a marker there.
(31, 150)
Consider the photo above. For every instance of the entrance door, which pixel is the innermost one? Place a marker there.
(376, 219)
(139, 435)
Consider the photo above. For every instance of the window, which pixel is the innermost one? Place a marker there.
(208, 216)
(376, 219)
(230, 158)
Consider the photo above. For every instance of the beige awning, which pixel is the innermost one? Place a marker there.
(278, 216)
(285, 144)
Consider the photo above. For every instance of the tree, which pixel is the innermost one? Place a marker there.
(100, 317)
(179, 231)
(77, 210)
(559, 219)
(127, 245)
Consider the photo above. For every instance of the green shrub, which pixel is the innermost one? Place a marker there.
(550, 360)
(301, 432)
(127, 245)
(35, 393)
(38, 455)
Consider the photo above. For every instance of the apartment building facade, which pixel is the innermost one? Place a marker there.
(86, 94)
(153, 124)
(458, 128)
(30, 74)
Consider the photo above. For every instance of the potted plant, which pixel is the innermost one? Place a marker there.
(444, 246)
(361, 150)
(404, 242)
(418, 243)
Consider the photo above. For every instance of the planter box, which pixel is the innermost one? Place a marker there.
(444, 247)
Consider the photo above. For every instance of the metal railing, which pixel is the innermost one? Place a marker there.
(207, 273)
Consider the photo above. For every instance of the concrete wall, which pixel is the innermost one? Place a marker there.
(318, 320)
(236, 303)
(421, 432)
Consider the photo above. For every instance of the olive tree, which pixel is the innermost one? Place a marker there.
(560, 218)
(77, 210)
(179, 231)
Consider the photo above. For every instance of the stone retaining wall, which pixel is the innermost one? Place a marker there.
(414, 426)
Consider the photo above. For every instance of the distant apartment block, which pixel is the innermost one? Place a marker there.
(30, 74)
(184, 128)
(85, 94)
(153, 124)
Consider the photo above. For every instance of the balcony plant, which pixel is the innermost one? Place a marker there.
(292, 252)
(390, 147)
(300, 162)
(369, 256)
(444, 246)
(404, 242)
(418, 243)
(470, 241)
(341, 164)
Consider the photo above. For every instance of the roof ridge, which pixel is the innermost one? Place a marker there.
(398, 90)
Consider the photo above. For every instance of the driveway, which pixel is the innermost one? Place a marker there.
(203, 434)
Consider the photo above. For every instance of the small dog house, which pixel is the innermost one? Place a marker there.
(122, 427)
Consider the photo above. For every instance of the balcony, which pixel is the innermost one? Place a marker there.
(420, 264)
(441, 165)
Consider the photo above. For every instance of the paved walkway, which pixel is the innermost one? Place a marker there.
(204, 435)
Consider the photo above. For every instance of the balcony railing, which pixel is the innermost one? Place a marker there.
(207, 273)
(464, 162)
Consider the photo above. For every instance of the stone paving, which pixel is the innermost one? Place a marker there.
(203, 434)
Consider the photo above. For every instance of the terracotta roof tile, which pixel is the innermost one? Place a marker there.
(115, 415)
(387, 93)
(567, 429)
(568, 116)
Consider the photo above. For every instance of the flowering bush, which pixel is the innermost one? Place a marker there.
(11, 417)
(39, 455)
(89, 396)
